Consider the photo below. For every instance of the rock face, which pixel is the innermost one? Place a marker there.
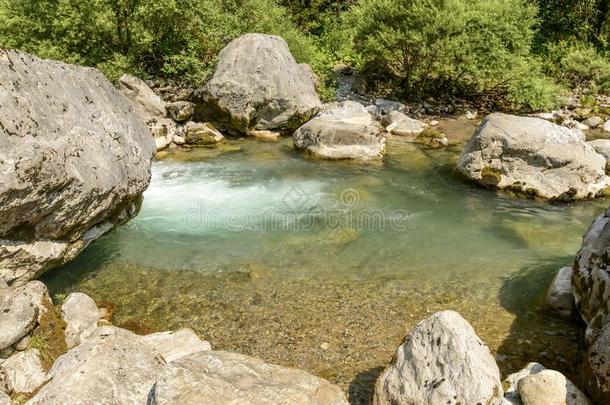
(559, 298)
(19, 310)
(534, 157)
(216, 377)
(344, 131)
(591, 283)
(550, 387)
(257, 86)
(111, 367)
(75, 161)
(441, 361)
(81, 315)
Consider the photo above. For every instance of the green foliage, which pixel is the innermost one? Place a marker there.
(457, 47)
(177, 39)
(578, 65)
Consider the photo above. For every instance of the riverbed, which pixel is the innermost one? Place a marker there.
(326, 266)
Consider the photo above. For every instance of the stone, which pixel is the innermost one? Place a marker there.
(559, 299)
(397, 123)
(80, 312)
(174, 345)
(257, 86)
(344, 132)
(20, 309)
(511, 390)
(22, 344)
(602, 146)
(24, 372)
(217, 377)
(593, 122)
(111, 367)
(606, 126)
(202, 134)
(573, 124)
(387, 106)
(533, 157)
(441, 361)
(432, 138)
(471, 114)
(75, 162)
(181, 111)
(150, 107)
(178, 140)
(591, 289)
(550, 387)
(265, 135)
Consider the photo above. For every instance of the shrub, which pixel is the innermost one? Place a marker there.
(466, 48)
(578, 65)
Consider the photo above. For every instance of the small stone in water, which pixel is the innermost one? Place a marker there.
(325, 346)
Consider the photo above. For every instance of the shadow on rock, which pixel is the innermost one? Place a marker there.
(536, 335)
(361, 388)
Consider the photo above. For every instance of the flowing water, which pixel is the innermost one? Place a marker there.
(326, 266)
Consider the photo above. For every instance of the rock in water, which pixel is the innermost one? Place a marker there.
(257, 86)
(75, 161)
(344, 131)
(441, 361)
(534, 157)
(111, 367)
(511, 389)
(20, 309)
(217, 377)
(559, 298)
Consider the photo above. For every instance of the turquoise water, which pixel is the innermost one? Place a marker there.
(267, 253)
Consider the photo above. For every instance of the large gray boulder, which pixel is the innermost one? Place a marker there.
(441, 361)
(110, 367)
(533, 157)
(343, 131)
(75, 161)
(217, 377)
(591, 288)
(257, 86)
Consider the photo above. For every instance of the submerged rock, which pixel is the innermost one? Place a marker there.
(258, 86)
(534, 157)
(559, 298)
(75, 161)
(441, 361)
(217, 377)
(345, 131)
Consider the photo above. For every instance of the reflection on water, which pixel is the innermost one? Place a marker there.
(267, 253)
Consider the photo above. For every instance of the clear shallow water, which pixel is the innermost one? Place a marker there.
(326, 266)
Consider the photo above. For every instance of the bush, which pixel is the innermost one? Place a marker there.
(176, 39)
(578, 65)
(465, 48)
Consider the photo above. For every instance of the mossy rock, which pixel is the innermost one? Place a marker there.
(48, 336)
(490, 176)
